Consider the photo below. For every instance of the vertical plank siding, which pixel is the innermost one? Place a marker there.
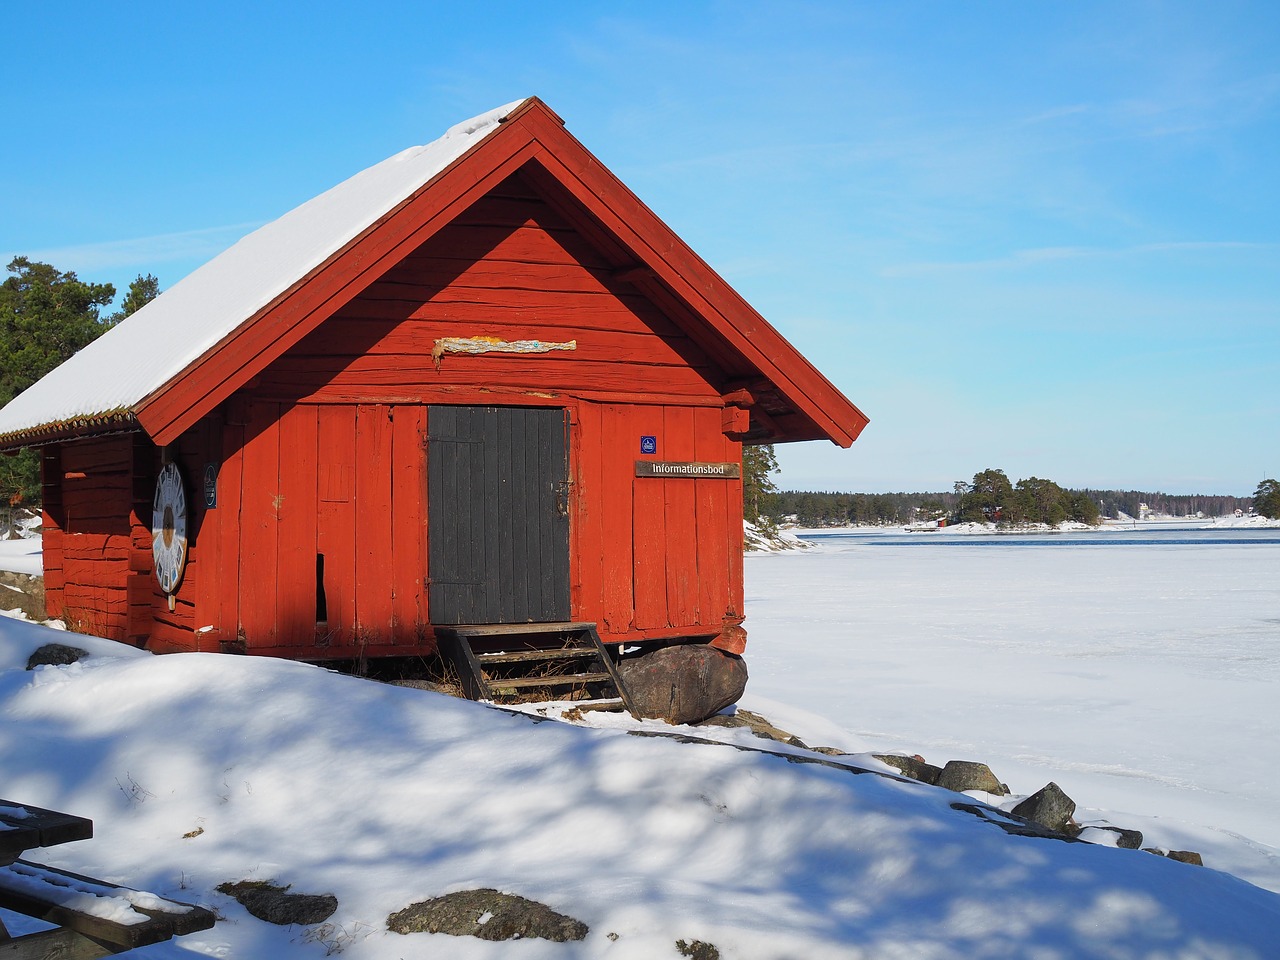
(671, 542)
(373, 579)
(409, 522)
(336, 519)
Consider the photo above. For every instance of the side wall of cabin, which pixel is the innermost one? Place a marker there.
(98, 561)
(97, 538)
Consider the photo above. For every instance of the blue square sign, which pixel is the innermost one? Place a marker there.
(648, 444)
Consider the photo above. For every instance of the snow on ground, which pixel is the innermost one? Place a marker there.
(202, 768)
(1139, 676)
(21, 556)
(1136, 678)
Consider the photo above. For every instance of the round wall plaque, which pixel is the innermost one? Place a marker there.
(169, 528)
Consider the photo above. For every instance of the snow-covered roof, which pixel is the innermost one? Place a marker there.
(108, 378)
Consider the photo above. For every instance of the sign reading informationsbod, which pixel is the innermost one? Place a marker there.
(699, 471)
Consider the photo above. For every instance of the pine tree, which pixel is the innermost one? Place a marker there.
(758, 462)
(46, 316)
(1266, 499)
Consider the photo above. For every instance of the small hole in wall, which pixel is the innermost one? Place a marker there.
(322, 605)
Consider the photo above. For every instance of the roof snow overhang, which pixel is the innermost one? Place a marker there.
(187, 351)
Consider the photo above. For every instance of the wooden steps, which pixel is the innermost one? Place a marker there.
(522, 662)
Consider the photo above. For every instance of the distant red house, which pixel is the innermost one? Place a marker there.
(479, 382)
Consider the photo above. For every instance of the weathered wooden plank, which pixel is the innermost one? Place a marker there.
(650, 528)
(619, 442)
(715, 530)
(500, 574)
(322, 378)
(296, 600)
(679, 503)
(99, 456)
(426, 276)
(373, 545)
(56, 944)
(336, 536)
(586, 533)
(555, 551)
(530, 243)
(225, 592)
(138, 589)
(166, 637)
(416, 338)
(533, 656)
(45, 828)
(386, 328)
(259, 525)
(408, 520)
(150, 926)
(560, 680)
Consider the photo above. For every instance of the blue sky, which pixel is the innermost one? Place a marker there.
(1039, 237)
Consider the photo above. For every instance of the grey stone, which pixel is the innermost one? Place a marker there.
(685, 683)
(1125, 839)
(761, 727)
(55, 654)
(962, 775)
(509, 917)
(1049, 807)
(1014, 826)
(913, 767)
(274, 904)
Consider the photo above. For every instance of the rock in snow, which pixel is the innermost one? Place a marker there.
(1049, 807)
(686, 683)
(489, 915)
(962, 775)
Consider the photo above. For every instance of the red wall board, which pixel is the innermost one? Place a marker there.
(373, 545)
(296, 528)
(408, 521)
(260, 511)
(336, 518)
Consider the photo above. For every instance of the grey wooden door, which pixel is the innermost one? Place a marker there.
(498, 521)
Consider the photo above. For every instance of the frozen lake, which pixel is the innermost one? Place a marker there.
(1139, 669)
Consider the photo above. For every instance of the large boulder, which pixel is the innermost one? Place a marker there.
(686, 683)
(962, 775)
(55, 654)
(913, 767)
(1049, 807)
(275, 904)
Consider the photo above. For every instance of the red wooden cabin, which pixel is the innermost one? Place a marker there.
(464, 386)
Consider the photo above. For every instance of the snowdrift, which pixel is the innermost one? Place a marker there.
(199, 769)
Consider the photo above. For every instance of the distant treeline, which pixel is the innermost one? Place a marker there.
(824, 509)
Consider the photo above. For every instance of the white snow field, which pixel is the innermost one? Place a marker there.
(199, 769)
(1139, 669)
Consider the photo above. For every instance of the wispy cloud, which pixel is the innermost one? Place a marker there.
(1019, 259)
(140, 252)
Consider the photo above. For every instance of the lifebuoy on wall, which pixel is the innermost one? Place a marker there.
(169, 528)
